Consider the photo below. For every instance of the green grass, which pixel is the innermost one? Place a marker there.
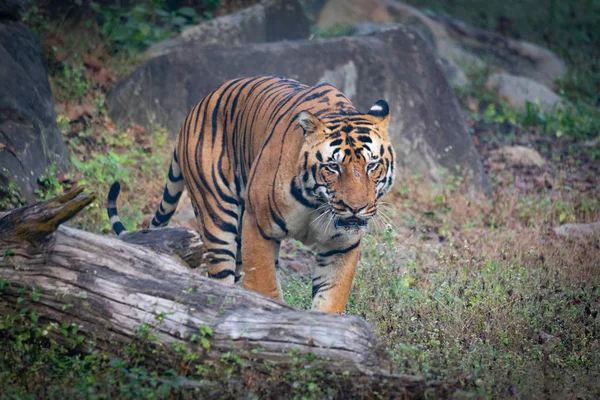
(470, 310)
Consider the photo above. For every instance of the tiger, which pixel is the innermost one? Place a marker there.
(268, 158)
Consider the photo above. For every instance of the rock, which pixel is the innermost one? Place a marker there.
(517, 156)
(517, 91)
(427, 127)
(578, 230)
(29, 137)
(453, 39)
(12, 10)
(344, 12)
(514, 56)
(454, 73)
(369, 28)
(268, 21)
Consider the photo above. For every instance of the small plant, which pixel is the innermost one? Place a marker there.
(72, 82)
(11, 198)
(581, 123)
(51, 187)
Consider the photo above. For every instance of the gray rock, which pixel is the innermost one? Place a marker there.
(28, 132)
(12, 9)
(514, 56)
(368, 28)
(517, 156)
(453, 39)
(578, 230)
(455, 74)
(517, 91)
(427, 127)
(268, 21)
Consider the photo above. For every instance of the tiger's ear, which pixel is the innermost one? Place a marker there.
(381, 111)
(311, 124)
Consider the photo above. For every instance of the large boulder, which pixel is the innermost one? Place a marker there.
(453, 39)
(518, 91)
(267, 21)
(427, 126)
(30, 141)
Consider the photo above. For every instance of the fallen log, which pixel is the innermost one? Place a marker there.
(110, 288)
(181, 242)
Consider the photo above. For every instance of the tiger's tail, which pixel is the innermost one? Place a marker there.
(171, 195)
(168, 204)
(111, 209)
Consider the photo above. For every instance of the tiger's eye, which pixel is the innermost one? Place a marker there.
(333, 167)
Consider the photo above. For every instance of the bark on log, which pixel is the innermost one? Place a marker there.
(110, 287)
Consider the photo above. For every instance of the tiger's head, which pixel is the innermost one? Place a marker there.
(347, 164)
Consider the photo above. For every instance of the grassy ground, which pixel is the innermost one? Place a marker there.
(477, 293)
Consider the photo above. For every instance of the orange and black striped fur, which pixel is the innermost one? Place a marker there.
(269, 158)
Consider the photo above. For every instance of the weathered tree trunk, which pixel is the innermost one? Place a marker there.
(110, 288)
(180, 242)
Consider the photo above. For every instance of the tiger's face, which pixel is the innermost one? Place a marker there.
(347, 165)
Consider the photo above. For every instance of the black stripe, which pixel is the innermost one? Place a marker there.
(225, 226)
(216, 111)
(162, 218)
(215, 260)
(317, 95)
(171, 199)
(118, 227)
(212, 238)
(223, 196)
(342, 251)
(263, 233)
(299, 196)
(222, 274)
(321, 287)
(280, 222)
(172, 176)
(222, 252)
(114, 191)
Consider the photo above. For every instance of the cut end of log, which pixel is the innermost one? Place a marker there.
(36, 221)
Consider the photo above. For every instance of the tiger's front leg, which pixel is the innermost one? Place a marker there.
(332, 278)
(259, 255)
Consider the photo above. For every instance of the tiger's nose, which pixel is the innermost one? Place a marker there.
(355, 209)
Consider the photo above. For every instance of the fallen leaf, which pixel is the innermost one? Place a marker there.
(109, 126)
(74, 112)
(92, 62)
(62, 56)
(97, 72)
